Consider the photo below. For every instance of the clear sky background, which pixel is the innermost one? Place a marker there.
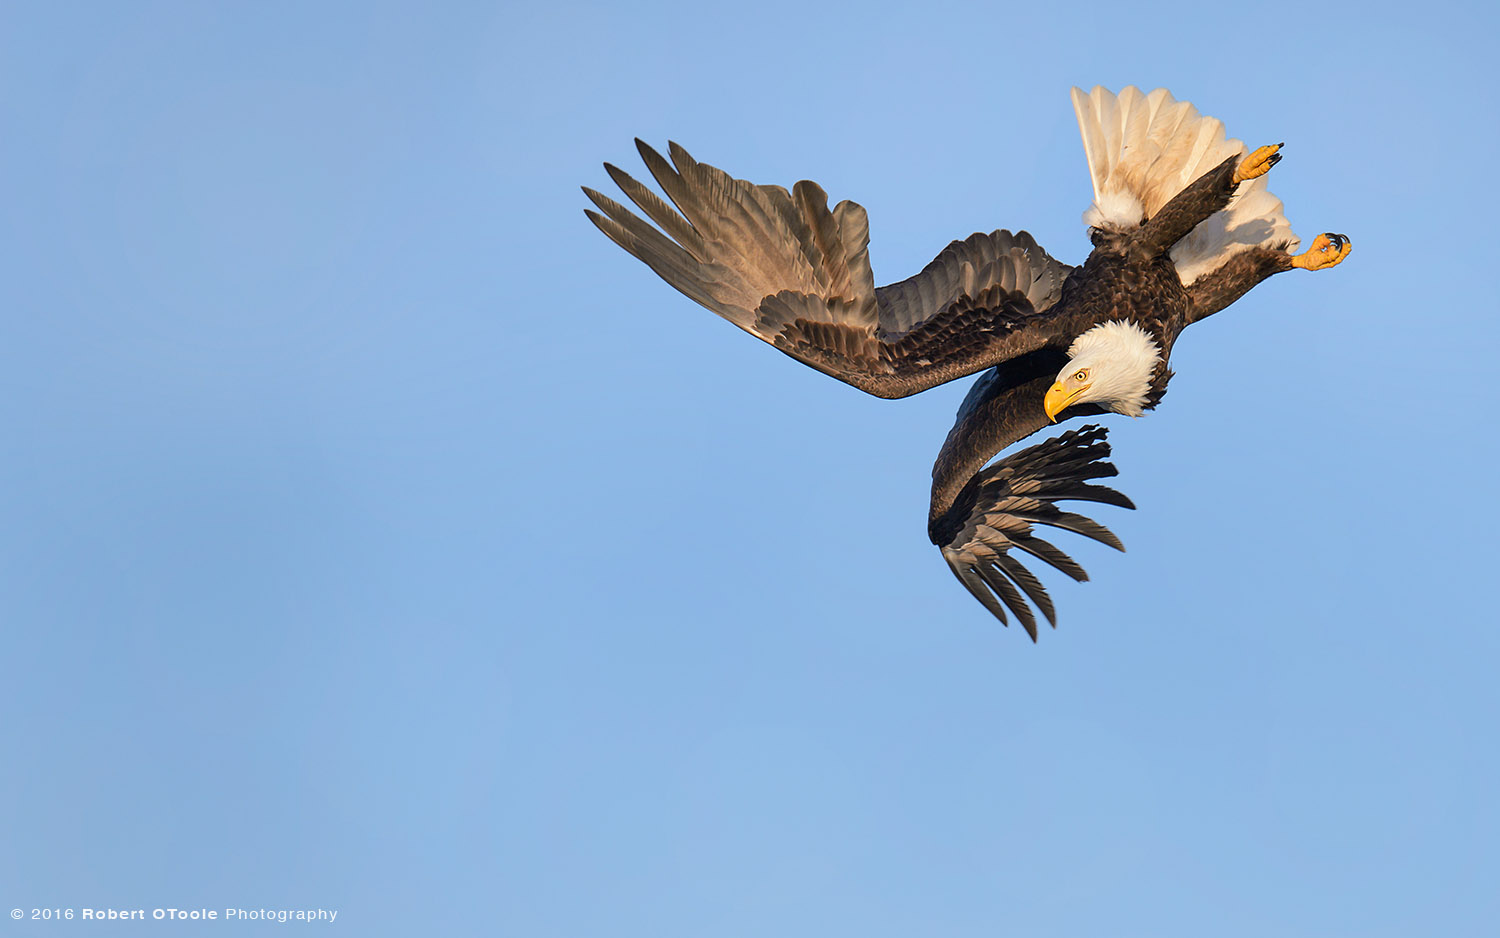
(376, 536)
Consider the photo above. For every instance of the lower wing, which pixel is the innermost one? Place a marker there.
(997, 514)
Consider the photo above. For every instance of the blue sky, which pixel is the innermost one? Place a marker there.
(376, 536)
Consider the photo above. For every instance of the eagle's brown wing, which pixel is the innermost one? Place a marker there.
(789, 271)
(999, 510)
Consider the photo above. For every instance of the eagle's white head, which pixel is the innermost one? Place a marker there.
(1110, 365)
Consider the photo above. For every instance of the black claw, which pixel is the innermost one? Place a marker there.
(1281, 144)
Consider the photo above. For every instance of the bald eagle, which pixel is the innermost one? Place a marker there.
(1182, 226)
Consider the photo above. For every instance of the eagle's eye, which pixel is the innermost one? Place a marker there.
(1082, 375)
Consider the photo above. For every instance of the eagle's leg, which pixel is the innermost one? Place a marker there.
(1202, 197)
(1207, 194)
(1327, 250)
(1258, 163)
(1243, 270)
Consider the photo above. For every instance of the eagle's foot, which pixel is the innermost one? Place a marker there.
(1258, 163)
(1327, 250)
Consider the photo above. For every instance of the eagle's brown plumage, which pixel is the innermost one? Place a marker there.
(785, 268)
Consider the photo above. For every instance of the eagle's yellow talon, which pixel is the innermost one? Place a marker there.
(1258, 163)
(1327, 250)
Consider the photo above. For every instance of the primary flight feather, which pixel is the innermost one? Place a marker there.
(1182, 226)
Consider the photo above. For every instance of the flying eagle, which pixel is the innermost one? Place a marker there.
(1182, 226)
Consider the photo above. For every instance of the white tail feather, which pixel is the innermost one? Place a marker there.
(1143, 149)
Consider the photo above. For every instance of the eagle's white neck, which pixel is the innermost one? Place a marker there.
(1121, 357)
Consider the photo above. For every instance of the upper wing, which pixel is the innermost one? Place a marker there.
(1000, 508)
(789, 271)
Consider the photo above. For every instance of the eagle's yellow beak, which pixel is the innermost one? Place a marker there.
(1059, 396)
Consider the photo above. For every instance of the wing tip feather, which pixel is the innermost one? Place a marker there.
(1018, 493)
